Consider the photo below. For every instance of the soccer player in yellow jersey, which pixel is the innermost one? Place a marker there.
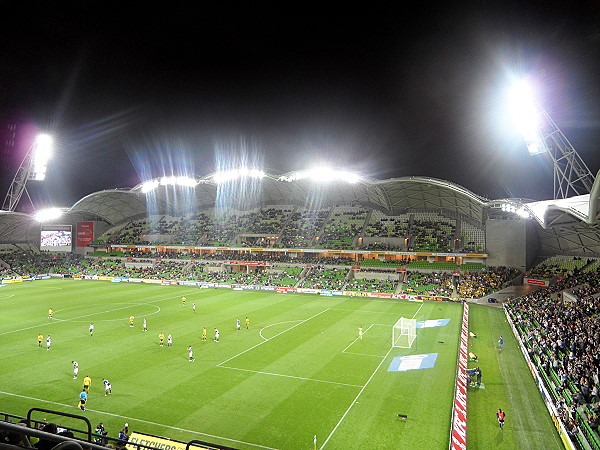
(50, 312)
(247, 322)
(131, 320)
(204, 333)
(161, 338)
(40, 340)
(183, 299)
(87, 382)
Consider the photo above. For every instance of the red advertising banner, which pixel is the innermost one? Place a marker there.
(85, 234)
(537, 282)
(458, 433)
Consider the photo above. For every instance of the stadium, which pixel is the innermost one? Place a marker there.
(371, 248)
(307, 290)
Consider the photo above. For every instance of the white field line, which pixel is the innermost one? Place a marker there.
(360, 311)
(361, 391)
(278, 334)
(355, 399)
(352, 343)
(129, 305)
(212, 436)
(49, 322)
(363, 354)
(272, 325)
(415, 315)
(292, 376)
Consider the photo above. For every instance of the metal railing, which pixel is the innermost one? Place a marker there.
(30, 427)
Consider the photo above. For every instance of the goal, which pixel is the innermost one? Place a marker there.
(404, 333)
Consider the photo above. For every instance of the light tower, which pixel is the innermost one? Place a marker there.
(571, 175)
(33, 167)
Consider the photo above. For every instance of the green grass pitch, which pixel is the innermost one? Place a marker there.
(298, 371)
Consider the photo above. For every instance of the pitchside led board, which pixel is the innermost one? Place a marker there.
(56, 238)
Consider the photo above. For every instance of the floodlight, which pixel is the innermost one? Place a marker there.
(186, 181)
(542, 135)
(41, 152)
(33, 167)
(166, 181)
(322, 175)
(44, 215)
(149, 186)
(352, 178)
(527, 114)
(178, 181)
(243, 172)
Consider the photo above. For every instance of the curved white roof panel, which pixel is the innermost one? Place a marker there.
(394, 196)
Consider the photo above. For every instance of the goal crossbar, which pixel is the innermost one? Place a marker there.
(404, 333)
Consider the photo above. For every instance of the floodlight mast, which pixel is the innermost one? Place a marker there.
(571, 175)
(542, 135)
(28, 170)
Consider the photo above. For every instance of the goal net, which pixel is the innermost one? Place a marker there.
(404, 333)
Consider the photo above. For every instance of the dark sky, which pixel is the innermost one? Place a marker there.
(401, 93)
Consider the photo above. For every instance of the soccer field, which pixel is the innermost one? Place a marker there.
(298, 371)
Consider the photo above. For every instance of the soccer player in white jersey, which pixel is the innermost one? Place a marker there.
(75, 369)
(107, 387)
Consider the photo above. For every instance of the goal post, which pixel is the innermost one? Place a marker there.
(404, 333)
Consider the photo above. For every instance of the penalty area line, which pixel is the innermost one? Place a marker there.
(139, 420)
(355, 399)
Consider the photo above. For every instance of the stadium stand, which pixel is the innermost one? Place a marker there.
(561, 335)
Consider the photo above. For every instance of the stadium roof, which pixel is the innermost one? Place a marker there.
(393, 197)
(15, 226)
(582, 208)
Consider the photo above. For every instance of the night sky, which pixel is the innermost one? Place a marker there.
(404, 93)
